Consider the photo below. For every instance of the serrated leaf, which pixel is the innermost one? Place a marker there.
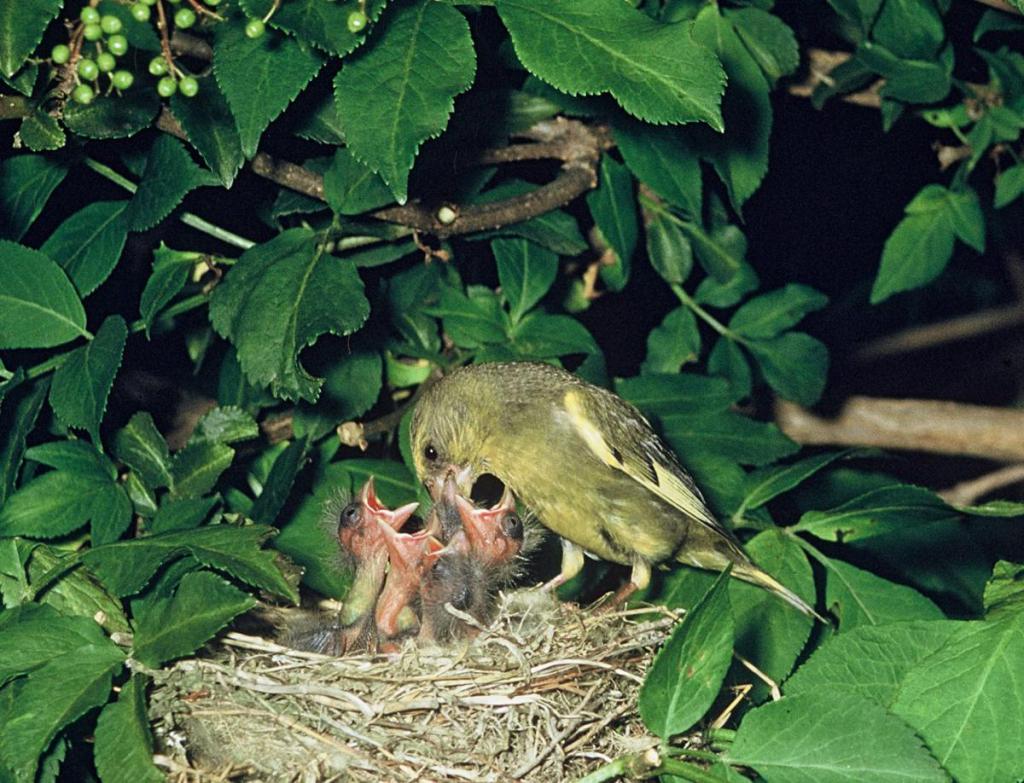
(525, 271)
(962, 700)
(668, 249)
(279, 483)
(225, 424)
(871, 661)
(322, 23)
(18, 416)
(53, 697)
(770, 314)
(351, 187)
(74, 456)
(210, 127)
(35, 634)
(82, 383)
(657, 72)
(124, 743)
(769, 40)
(169, 628)
(140, 445)
(674, 342)
(877, 512)
(39, 307)
(687, 672)
(663, 159)
(169, 176)
(113, 116)
(768, 483)
(88, 244)
(183, 514)
(399, 89)
(260, 76)
(1004, 592)
(26, 184)
(170, 273)
(471, 321)
(543, 336)
(198, 466)
(859, 598)
(41, 132)
(794, 364)
(613, 208)
(352, 385)
(21, 26)
(794, 740)
(246, 308)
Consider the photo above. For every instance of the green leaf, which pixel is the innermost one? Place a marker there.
(26, 184)
(352, 384)
(198, 466)
(668, 249)
(210, 128)
(323, 23)
(54, 696)
(878, 512)
(74, 456)
(909, 29)
(279, 483)
(399, 89)
(169, 628)
(859, 598)
(21, 26)
(183, 514)
(684, 393)
(41, 132)
(88, 244)
(794, 364)
(113, 116)
(124, 743)
(614, 211)
(543, 336)
(657, 72)
(674, 342)
(225, 424)
(909, 80)
(35, 634)
(556, 230)
(82, 383)
(664, 160)
(1004, 592)
(127, 566)
(728, 434)
(471, 321)
(259, 76)
(768, 39)
(687, 672)
(831, 737)
(526, 272)
(871, 661)
(170, 273)
(1009, 185)
(768, 483)
(726, 360)
(18, 415)
(770, 314)
(962, 700)
(351, 187)
(395, 484)
(169, 176)
(141, 447)
(246, 308)
(38, 304)
(722, 253)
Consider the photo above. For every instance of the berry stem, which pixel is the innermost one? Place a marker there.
(165, 40)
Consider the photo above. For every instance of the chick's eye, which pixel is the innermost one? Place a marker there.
(349, 515)
(430, 452)
(513, 526)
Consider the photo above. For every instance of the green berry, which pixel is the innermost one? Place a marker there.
(166, 87)
(254, 28)
(83, 94)
(90, 15)
(148, 2)
(140, 12)
(93, 32)
(184, 18)
(122, 80)
(158, 66)
(88, 69)
(357, 21)
(188, 86)
(106, 62)
(111, 24)
(117, 44)
(60, 54)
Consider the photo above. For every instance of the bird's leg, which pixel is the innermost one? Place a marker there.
(572, 564)
(638, 580)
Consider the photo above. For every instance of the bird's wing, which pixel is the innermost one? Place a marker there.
(626, 442)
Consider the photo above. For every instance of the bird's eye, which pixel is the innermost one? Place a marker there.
(513, 526)
(349, 515)
(430, 452)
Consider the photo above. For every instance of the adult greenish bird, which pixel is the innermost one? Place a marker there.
(585, 461)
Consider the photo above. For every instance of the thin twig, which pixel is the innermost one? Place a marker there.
(967, 493)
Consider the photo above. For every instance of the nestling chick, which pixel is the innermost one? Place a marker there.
(410, 557)
(584, 460)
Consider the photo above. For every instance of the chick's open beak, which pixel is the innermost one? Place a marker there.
(394, 519)
(489, 536)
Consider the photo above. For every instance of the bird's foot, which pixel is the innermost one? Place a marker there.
(611, 602)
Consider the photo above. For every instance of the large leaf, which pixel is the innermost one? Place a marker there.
(35, 634)
(82, 383)
(259, 76)
(88, 244)
(767, 483)
(21, 27)
(197, 467)
(657, 72)
(124, 743)
(350, 187)
(526, 272)
(211, 129)
(878, 512)
(794, 364)
(323, 23)
(169, 176)
(140, 445)
(663, 159)
(38, 304)
(272, 304)
(26, 184)
(399, 90)
(687, 672)
(858, 597)
(113, 116)
(831, 737)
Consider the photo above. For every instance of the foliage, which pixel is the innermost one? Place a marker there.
(128, 540)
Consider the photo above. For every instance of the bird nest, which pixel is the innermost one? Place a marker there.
(545, 693)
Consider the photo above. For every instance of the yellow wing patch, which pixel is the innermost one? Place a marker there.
(665, 483)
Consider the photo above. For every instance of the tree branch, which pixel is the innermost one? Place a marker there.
(934, 426)
(967, 493)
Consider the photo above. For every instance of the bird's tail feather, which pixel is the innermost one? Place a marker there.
(756, 576)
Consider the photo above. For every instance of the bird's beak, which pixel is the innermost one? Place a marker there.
(481, 525)
(407, 550)
(394, 519)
